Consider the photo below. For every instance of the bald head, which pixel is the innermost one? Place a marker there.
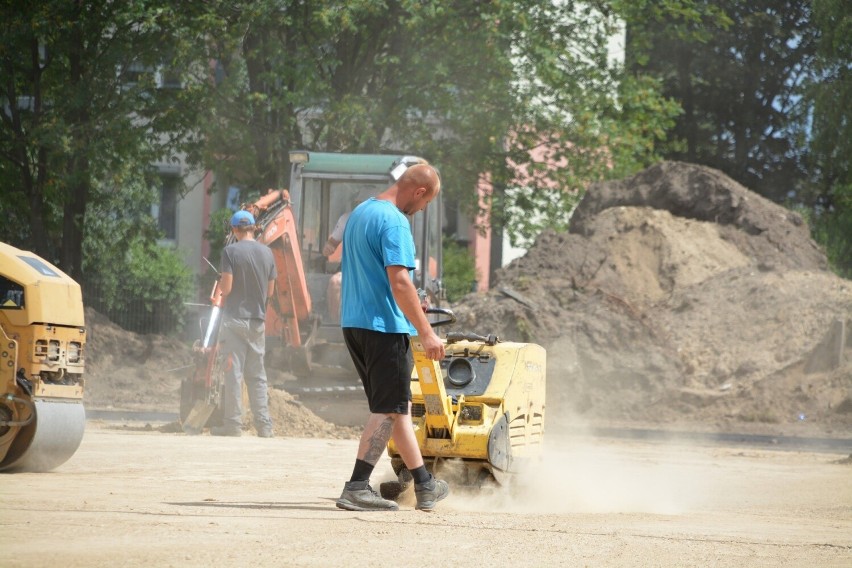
(415, 188)
(421, 176)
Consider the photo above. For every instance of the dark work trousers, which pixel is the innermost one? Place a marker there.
(243, 345)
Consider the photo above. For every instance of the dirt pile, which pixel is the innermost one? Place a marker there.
(679, 296)
(293, 420)
(129, 371)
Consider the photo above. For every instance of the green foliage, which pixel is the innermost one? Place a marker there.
(216, 235)
(833, 230)
(129, 277)
(84, 111)
(459, 270)
(430, 78)
(830, 148)
(87, 120)
(467, 84)
(477, 87)
(766, 94)
(580, 118)
(145, 289)
(739, 69)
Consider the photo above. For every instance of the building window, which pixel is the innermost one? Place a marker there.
(165, 212)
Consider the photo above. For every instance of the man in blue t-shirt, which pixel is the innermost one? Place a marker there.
(380, 310)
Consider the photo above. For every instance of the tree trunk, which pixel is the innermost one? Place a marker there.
(253, 51)
(77, 197)
(684, 71)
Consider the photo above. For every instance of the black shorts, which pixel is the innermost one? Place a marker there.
(383, 362)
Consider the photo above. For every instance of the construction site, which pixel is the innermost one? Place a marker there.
(678, 299)
(698, 411)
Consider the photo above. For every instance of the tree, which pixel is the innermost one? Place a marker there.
(830, 148)
(474, 86)
(84, 116)
(579, 117)
(466, 84)
(431, 78)
(765, 93)
(740, 79)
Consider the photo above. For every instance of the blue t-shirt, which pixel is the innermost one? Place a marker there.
(377, 235)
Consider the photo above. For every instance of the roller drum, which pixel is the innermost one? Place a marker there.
(50, 439)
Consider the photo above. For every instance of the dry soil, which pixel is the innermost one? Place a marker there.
(139, 498)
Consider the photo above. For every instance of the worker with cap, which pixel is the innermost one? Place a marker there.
(247, 281)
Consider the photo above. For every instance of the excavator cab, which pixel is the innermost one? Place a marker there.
(324, 188)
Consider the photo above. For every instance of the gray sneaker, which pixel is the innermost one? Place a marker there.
(359, 496)
(429, 493)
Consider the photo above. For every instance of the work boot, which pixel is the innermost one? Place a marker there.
(232, 431)
(265, 433)
(359, 496)
(428, 494)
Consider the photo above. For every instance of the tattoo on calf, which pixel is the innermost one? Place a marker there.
(379, 441)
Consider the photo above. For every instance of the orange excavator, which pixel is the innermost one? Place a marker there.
(303, 333)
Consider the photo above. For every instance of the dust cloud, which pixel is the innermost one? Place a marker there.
(579, 475)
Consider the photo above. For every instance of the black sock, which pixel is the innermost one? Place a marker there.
(420, 474)
(362, 471)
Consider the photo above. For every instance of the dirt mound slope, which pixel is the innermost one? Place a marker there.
(130, 371)
(679, 296)
(764, 230)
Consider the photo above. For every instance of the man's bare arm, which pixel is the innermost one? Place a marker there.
(226, 284)
(408, 301)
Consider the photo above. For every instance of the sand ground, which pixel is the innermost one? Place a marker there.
(131, 497)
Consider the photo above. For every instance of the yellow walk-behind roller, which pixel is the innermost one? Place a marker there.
(479, 413)
(42, 338)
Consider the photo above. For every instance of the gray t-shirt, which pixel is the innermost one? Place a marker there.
(253, 266)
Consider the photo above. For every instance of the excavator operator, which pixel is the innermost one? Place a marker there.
(332, 251)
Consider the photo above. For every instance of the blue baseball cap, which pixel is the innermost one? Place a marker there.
(242, 219)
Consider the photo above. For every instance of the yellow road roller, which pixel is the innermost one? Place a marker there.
(478, 414)
(42, 344)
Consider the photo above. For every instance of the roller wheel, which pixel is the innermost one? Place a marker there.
(49, 440)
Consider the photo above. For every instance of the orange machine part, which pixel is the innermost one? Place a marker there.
(293, 298)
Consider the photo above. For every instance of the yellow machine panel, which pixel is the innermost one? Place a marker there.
(42, 355)
(482, 406)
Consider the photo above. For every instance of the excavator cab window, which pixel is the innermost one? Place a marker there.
(309, 209)
(344, 197)
(320, 206)
(426, 226)
(324, 188)
(11, 294)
